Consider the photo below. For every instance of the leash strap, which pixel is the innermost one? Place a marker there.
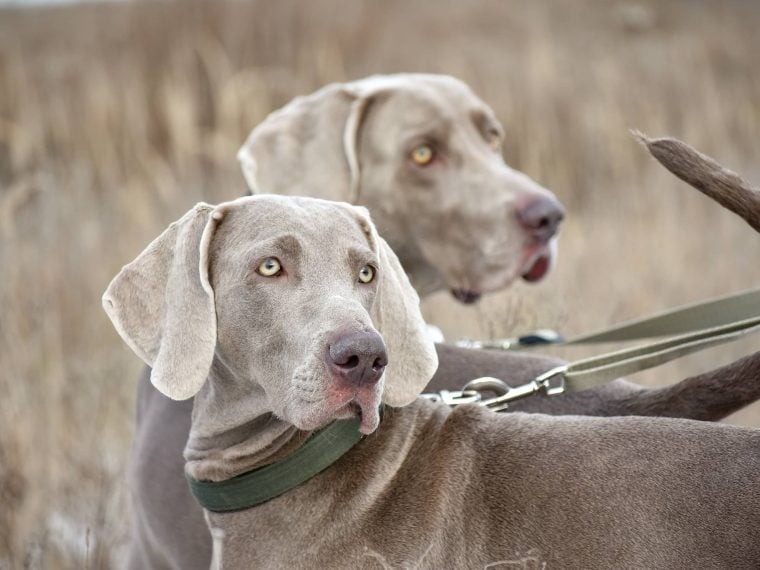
(708, 314)
(697, 326)
(320, 451)
(681, 320)
(590, 372)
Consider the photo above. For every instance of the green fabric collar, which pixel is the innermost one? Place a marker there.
(321, 450)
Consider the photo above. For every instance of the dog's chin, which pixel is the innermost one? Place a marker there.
(535, 262)
(466, 296)
(485, 284)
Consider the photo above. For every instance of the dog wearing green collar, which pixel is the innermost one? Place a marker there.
(281, 316)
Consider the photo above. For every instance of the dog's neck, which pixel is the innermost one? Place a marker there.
(423, 276)
(233, 429)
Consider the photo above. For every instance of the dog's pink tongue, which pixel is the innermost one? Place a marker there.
(537, 270)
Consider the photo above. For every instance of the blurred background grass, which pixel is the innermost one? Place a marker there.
(117, 118)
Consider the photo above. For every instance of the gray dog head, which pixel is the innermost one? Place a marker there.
(295, 303)
(423, 153)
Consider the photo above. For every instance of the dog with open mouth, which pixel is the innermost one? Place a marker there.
(424, 154)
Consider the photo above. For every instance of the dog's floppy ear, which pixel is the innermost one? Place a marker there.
(310, 145)
(162, 305)
(412, 358)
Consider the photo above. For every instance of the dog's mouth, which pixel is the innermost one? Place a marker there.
(537, 261)
(537, 269)
(533, 264)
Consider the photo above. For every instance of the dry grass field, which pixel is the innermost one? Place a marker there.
(116, 118)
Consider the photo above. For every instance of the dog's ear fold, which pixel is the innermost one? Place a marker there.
(412, 358)
(162, 305)
(310, 146)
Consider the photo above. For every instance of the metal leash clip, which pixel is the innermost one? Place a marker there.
(551, 383)
(454, 398)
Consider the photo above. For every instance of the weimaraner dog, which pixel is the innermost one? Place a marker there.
(373, 159)
(283, 315)
(423, 153)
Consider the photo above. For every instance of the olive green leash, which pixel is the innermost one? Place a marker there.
(696, 327)
(681, 320)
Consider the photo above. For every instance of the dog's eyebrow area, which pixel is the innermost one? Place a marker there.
(357, 257)
(287, 246)
(485, 123)
(428, 131)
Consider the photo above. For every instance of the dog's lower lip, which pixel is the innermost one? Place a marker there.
(538, 269)
(350, 409)
(466, 296)
(361, 404)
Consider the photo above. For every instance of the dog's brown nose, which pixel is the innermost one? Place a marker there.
(358, 357)
(541, 218)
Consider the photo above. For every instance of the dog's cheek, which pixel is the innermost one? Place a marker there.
(248, 330)
(272, 347)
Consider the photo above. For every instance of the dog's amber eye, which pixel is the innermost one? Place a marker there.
(422, 155)
(269, 267)
(366, 274)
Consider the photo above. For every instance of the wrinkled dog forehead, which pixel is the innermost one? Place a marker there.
(435, 102)
(306, 229)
